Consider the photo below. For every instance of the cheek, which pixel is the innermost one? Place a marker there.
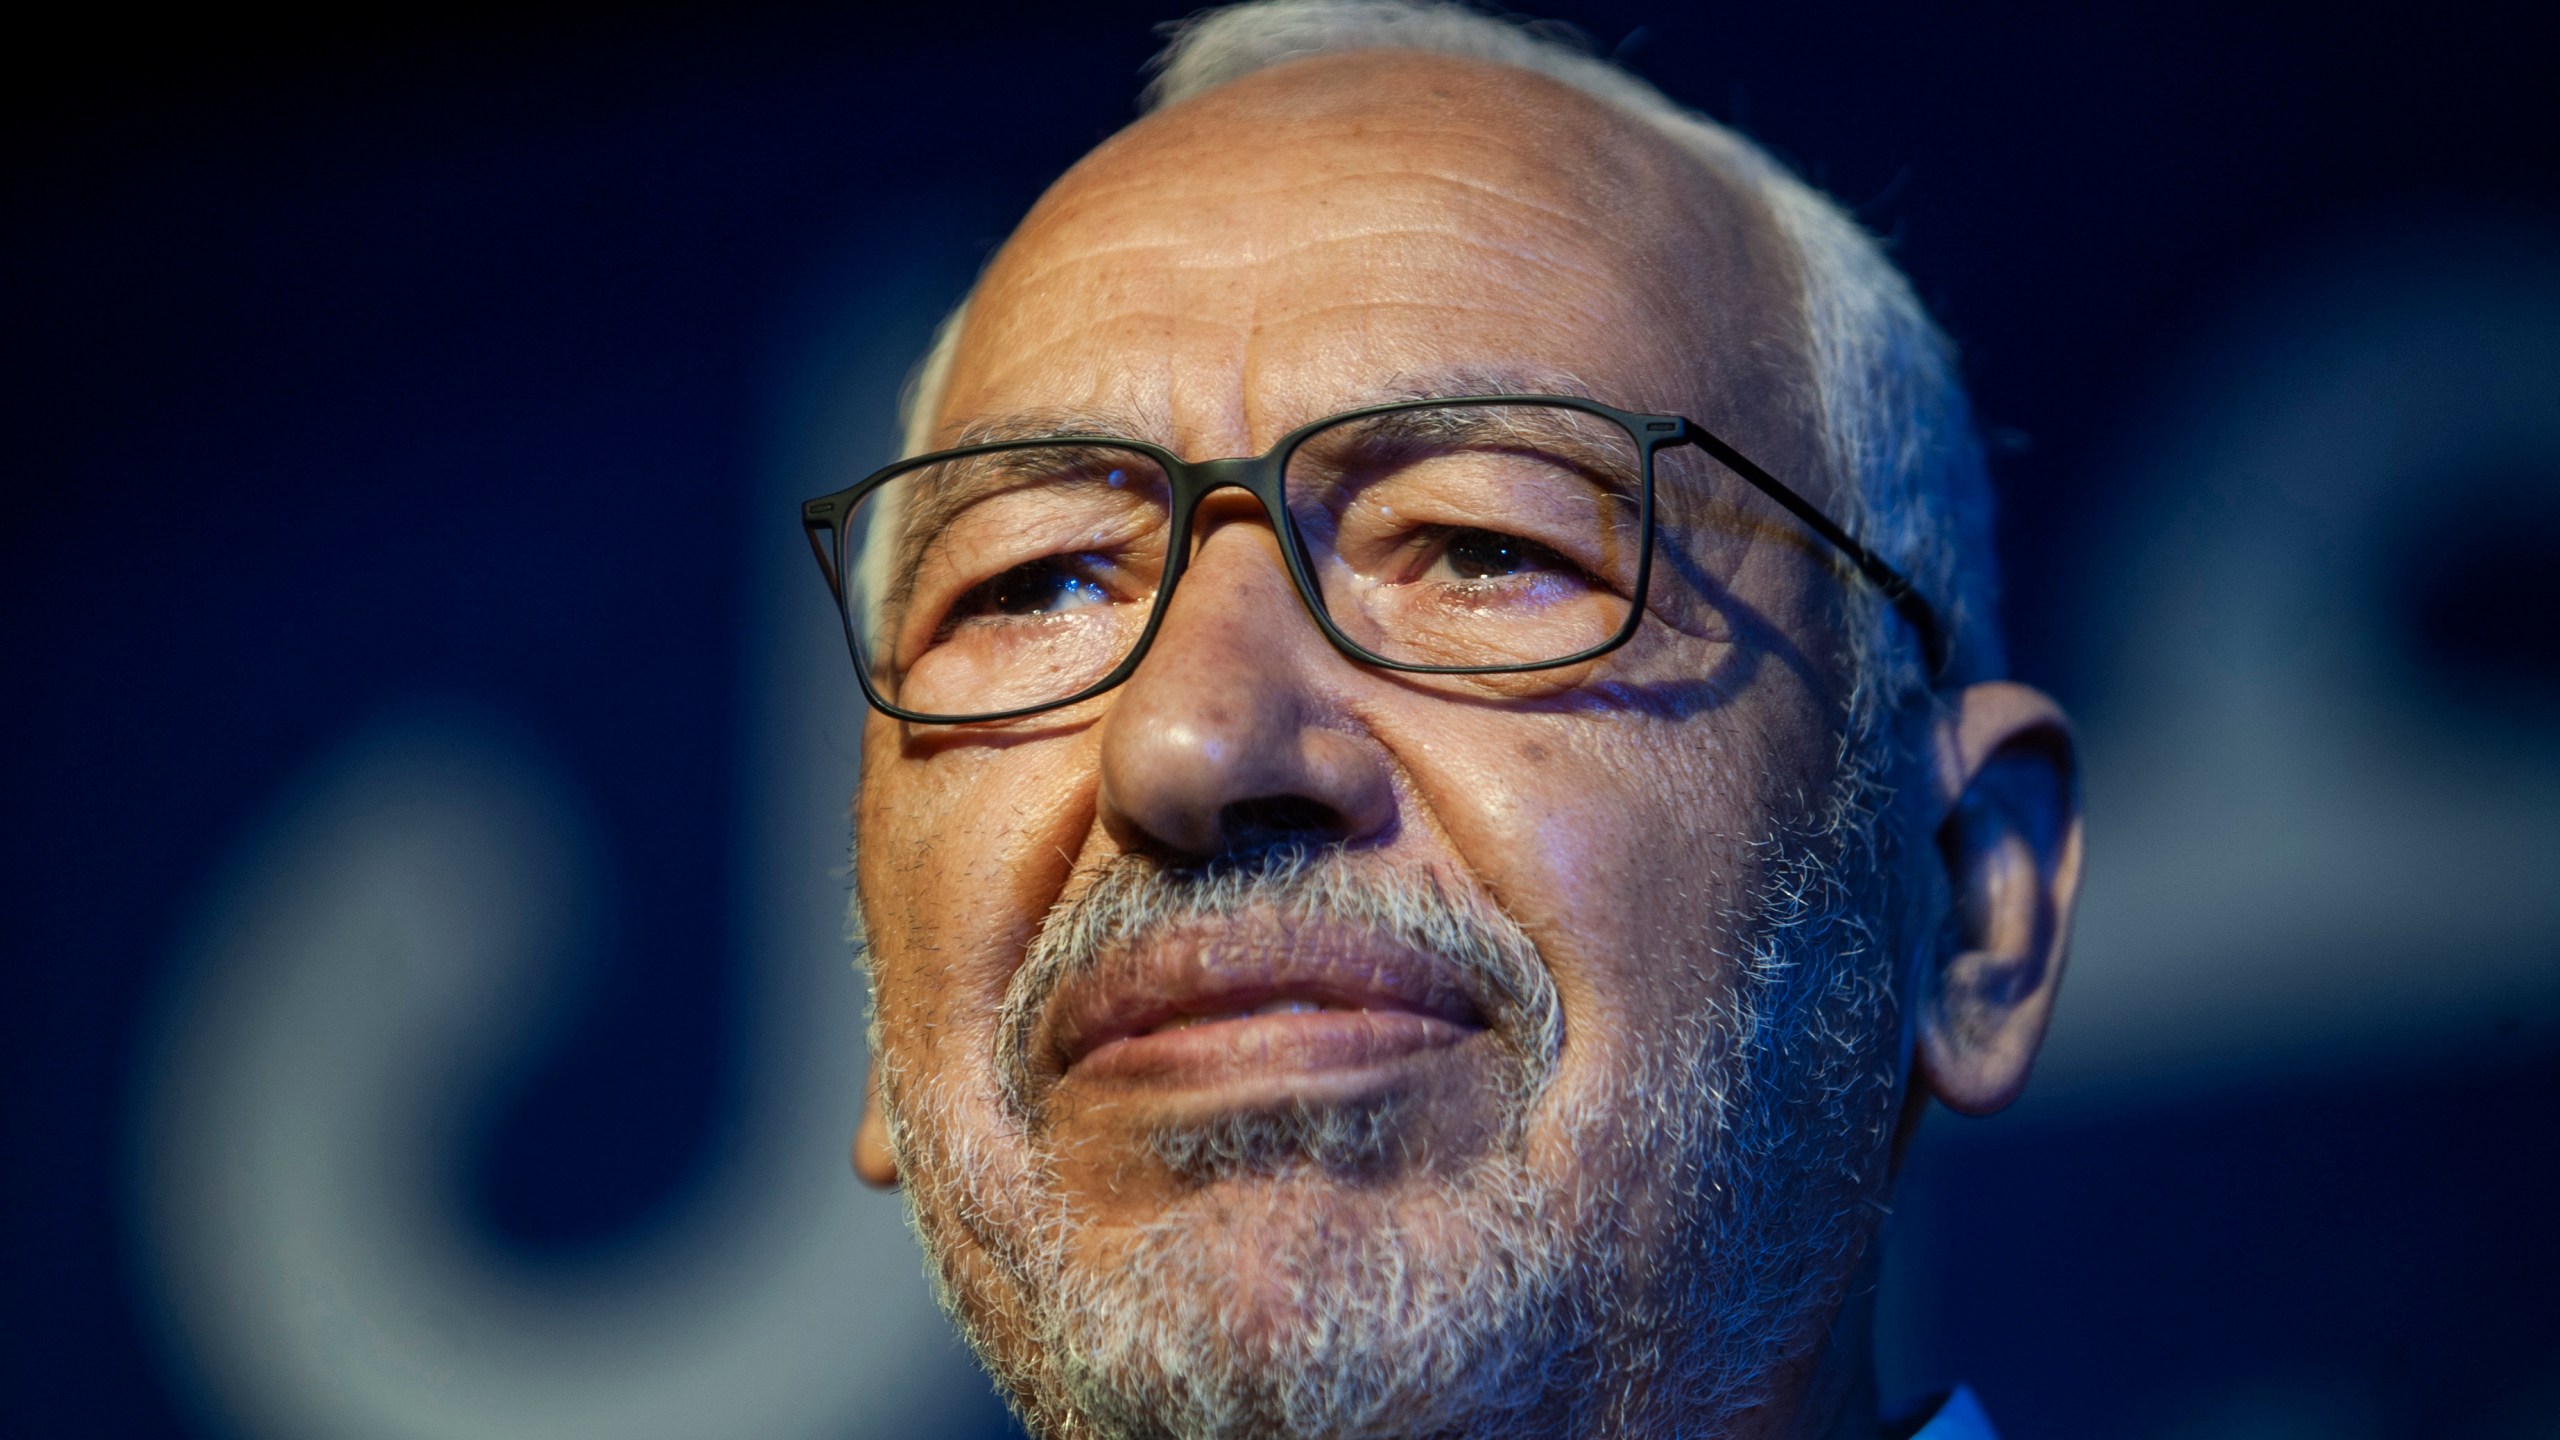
(1612, 840)
(962, 852)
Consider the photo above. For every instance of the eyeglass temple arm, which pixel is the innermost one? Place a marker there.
(1906, 598)
(818, 519)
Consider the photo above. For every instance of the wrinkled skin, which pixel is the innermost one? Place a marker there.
(1325, 234)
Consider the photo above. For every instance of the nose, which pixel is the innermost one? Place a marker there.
(1232, 735)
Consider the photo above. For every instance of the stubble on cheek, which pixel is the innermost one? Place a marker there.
(977, 1196)
(945, 919)
(1636, 839)
(973, 1204)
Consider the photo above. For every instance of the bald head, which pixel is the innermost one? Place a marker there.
(1347, 228)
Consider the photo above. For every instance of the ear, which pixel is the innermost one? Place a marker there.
(872, 1159)
(2009, 836)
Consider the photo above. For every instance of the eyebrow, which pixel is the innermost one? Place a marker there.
(1453, 382)
(1566, 435)
(1053, 424)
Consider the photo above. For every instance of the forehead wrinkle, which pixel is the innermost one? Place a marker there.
(1568, 305)
(1458, 221)
(1524, 182)
(1570, 134)
(1283, 394)
(1118, 395)
(1417, 308)
(1553, 261)
(1092, 333)
(1138, 187)
(1286, 395)
(1467, 240)
(1514, 195)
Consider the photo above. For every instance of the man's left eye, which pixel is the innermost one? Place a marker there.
(1490, 555)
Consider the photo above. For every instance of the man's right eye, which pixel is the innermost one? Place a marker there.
(1051, 585)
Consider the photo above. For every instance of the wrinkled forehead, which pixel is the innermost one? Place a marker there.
(1348, 228)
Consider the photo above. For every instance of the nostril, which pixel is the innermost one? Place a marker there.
(1274, 820)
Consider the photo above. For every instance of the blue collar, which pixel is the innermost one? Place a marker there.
(1957, 1417)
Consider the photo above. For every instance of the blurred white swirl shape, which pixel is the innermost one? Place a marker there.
(379, 966)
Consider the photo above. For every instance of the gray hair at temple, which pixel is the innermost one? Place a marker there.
(1894, 417)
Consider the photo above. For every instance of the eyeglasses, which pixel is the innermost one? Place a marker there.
(1466, 536)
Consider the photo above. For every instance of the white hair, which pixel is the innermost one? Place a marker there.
(1907, 466)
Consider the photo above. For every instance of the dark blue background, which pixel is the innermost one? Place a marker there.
(426, 355)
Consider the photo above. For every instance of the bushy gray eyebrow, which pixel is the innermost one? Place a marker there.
(1598, 451)
(1050, 424)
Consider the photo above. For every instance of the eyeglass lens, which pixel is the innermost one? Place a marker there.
(1472, 534)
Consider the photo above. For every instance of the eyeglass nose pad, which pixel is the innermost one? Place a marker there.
(1209, 475)
(1251, 474)
(1235, 470)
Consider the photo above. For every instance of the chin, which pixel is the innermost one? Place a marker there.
(1280, 1299)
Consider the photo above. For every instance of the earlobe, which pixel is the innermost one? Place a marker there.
(872, 1158)
(2010, 841)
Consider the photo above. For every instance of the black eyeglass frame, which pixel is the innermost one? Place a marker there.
(1262, 476)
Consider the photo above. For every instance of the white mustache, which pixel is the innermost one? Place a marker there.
(1133, 895)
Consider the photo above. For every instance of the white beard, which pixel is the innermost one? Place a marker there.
(1291, 1294)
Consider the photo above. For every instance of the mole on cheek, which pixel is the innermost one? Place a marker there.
(1533, 752)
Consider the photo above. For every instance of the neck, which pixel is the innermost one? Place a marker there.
(1836, 1399)
(1826, 1393)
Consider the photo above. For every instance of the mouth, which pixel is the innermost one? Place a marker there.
(1230, 1007)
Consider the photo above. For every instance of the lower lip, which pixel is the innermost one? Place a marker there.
(1307, 1043)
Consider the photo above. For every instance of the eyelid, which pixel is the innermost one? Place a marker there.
(957, 484)
(1429, 537)
(909, 622)
(1062, 565)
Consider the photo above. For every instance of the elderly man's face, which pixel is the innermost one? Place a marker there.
(1211, 1150)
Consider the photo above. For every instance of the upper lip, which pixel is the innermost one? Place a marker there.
(1234, 965)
